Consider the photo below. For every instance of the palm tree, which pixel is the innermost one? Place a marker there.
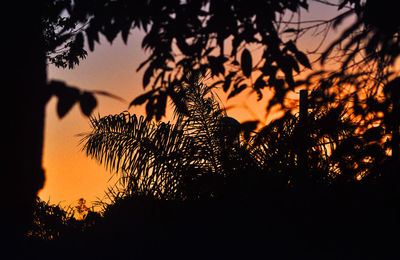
(179, 160)
(145, 153)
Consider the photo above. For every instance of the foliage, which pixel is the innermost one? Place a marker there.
(54, 222)
(194, 158)
(200, 176)
(199, 43)
(375, 32)
(144, 152)
(198, 29)
(68, 96)
(334, 152)
(184, 160)
(64, 42)
(244, 189)
(204, 152)
(365, 49)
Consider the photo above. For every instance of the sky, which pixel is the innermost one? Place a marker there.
(70, 175)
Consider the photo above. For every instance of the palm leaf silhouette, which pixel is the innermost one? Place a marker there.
(179, 160)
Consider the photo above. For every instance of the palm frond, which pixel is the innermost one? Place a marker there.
(179, 160)
(146, 154)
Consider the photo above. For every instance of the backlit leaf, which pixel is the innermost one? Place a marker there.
(142, 98)
(87, 103)
(303, 59)
(66, 101)
(247, 63)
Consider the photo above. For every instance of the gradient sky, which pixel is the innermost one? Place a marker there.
(71, 175)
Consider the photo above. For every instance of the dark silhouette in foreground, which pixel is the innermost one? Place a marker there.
(289, 203)
(356, 222)
(192, 189)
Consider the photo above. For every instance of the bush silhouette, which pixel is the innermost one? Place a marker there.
(175, 22)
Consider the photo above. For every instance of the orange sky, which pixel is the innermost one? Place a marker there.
(70, 175)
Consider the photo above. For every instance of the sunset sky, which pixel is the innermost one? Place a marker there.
(71, 175)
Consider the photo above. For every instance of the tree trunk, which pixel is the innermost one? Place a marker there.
(25, 84)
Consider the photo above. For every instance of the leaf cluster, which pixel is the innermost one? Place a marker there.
(52, 222)
(63, 38)
(199, 31)
(374, 34)
(68, 96)
(196, 34)
(204, 151)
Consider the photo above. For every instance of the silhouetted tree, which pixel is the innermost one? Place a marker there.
(198, 30)
(367, 51)
(107, 18)
(186, 159)
(52, 222)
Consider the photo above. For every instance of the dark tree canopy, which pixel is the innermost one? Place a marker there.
(208, 36)
(64, 43)
(215, 37)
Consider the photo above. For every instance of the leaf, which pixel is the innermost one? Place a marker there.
(67, 96)
(216, 83)
(92, 34)
(237, 90)
(247, 63)
(78, 42)
(303, 59)
(228, 80)
(260, 83)
(226, 84)
(372, 44)
(150, 110)
(291, 46)
(110, 32)
(216, 65)
(87, 103)
(142, 98)
(125, 30)
(293, 64)
(66, 100)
